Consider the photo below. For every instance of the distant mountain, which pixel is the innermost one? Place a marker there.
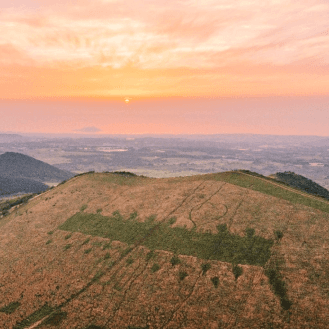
(301, 183)
(17, 165)
(10, 186)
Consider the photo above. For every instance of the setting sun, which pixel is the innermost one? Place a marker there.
(220, 53)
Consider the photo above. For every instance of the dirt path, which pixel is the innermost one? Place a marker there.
(287, 188)
(37, 323)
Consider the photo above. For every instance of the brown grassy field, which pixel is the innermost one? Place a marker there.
(56, 271)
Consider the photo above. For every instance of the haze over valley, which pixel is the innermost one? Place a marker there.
(168, 156)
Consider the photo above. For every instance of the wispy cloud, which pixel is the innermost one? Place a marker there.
(212, 38)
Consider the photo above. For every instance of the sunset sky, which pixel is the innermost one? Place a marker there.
(187, 66)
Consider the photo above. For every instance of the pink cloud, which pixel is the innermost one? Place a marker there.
(244, 40)
(9, 55)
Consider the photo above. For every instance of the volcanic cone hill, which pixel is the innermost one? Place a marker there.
(227, 250)
(17, 165)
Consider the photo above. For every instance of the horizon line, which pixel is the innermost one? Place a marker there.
(153, 134)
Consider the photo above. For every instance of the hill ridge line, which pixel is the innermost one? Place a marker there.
(291, 189)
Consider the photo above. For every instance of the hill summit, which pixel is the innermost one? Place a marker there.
(225, 250)
(18, 165)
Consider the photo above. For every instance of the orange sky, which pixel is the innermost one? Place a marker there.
(162, 49)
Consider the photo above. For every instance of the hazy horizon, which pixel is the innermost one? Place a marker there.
(254, 115)
(165, 67)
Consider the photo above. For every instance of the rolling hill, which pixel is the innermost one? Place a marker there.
(17, 165)
(226, 250)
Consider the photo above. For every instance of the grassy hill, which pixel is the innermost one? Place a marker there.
(17, 165)
(227, 250)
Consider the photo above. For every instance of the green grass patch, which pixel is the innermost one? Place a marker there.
(215, 281)
(205, 268)
(172, 220)
(175, 260)
(129, 261)
(156, 267)
(250, 232)
(107, 246)
(50, 232)
(117, 287)
(182, 275)
(83, 207)
(116, 214)
(67, 236)
(149, 255)
(253, 182)
(237, 271)
(278, 285)
(278, 235)
(68, 246)
(222, 246)
(87, 251)
(150, 219)
(125, 252)
(133, 215)
(97, 276)
(10, 308)
(34, 317)
(85, 242)
(49, 241)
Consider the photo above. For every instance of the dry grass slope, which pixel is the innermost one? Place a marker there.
(119, 251)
